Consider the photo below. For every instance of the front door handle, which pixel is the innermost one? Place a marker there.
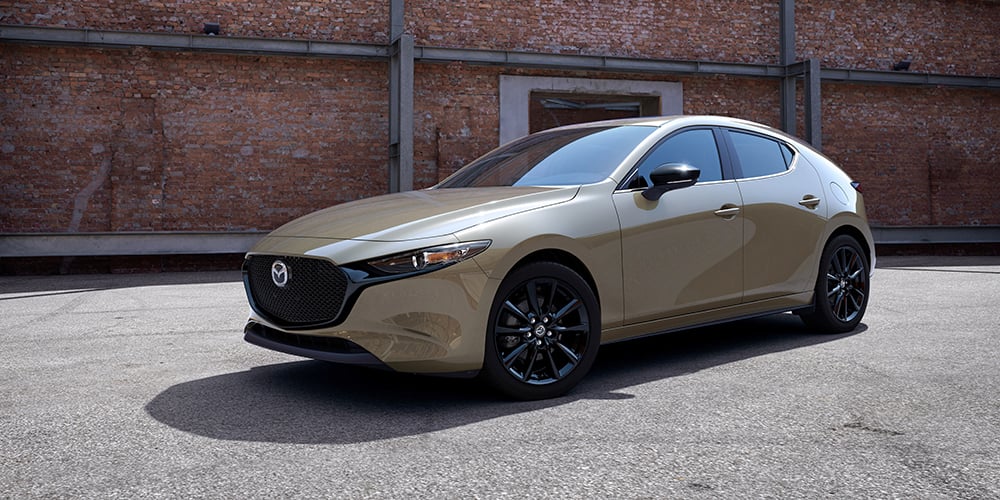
(809, 201)
(728, 211)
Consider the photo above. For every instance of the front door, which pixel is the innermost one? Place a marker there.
(683, 252)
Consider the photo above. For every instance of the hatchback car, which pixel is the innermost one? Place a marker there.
(521, 264)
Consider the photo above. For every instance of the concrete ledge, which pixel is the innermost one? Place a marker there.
(914, 235)
(209, 243)
(126, 243)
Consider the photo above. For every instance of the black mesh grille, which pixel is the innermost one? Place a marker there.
(314, 293)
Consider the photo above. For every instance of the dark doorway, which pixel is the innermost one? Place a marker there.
(553, 109)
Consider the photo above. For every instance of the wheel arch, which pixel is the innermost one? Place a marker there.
(565, 258)
(863, 241)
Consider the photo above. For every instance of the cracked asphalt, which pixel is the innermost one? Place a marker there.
(136, 386)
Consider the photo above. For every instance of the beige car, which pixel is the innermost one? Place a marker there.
(520, 265)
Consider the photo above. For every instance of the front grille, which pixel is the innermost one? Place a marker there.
(313, 295)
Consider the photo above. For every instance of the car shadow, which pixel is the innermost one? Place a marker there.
(312, 402)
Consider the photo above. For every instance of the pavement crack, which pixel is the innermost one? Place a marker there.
(868, 428)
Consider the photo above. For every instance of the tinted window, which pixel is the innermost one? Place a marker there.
(758, 155)
(556, 158)
(692, 147)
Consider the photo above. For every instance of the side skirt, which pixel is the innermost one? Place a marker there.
(798, 303)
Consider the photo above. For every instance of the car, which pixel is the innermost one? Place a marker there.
(520, 265)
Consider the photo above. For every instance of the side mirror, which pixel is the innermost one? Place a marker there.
(669, 177)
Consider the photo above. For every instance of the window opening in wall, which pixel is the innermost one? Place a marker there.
(553, 109)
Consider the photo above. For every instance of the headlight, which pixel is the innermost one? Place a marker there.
(428, 259)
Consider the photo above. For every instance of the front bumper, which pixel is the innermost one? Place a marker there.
(332, 349)
(431, 323)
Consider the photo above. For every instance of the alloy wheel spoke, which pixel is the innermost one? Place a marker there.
(516, 311)
(570, 329)
(568, 308)
(552, 364)
(838, 266)
(532, 288)
(858, 298)
(503, 330)
(553, 288)
(855, 304)
(531, 362)
(510, 358)
(840, 306)
(574, 358)
(854, 263)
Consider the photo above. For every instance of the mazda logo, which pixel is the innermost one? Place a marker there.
(280, 273)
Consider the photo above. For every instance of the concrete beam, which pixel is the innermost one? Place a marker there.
(37, 35)
(189, 42)
(401, 115)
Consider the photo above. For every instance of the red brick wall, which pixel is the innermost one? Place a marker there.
(341, 20)
(940, 36)
(729, 30)
(923, 155)
(140, 140)
(456, 118)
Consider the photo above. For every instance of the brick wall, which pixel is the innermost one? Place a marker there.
(939, 36)
(341, 20)
(730, 30)
(923, 155)
(122, 140)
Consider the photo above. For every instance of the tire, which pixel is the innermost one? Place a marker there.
(543, 334)
(842, 287)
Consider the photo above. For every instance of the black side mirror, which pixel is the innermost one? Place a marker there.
(668, 177)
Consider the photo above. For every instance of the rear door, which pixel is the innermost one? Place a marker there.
(784, 215)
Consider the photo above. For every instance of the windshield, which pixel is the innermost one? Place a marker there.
(556, 158)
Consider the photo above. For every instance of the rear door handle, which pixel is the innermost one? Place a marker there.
(728, 211)
(809, 201)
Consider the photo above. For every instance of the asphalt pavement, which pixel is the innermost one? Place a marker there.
(140, 386)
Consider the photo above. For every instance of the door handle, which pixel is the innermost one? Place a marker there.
(727, 211)
(809, 201)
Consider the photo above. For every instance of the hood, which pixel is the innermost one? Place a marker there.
(421, 214)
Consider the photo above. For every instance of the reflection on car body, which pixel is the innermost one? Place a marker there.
(521, 264)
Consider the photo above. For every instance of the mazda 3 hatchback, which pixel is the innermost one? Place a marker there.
(521, 264)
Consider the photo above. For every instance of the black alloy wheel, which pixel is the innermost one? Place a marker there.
(842, 287)
(544, 332)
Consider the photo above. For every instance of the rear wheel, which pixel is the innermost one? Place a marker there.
(544, 332)
(841, 294)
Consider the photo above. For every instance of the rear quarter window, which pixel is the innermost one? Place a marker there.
(760, 156)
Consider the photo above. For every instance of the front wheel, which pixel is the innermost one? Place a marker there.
(841, 294)
(544, 332)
